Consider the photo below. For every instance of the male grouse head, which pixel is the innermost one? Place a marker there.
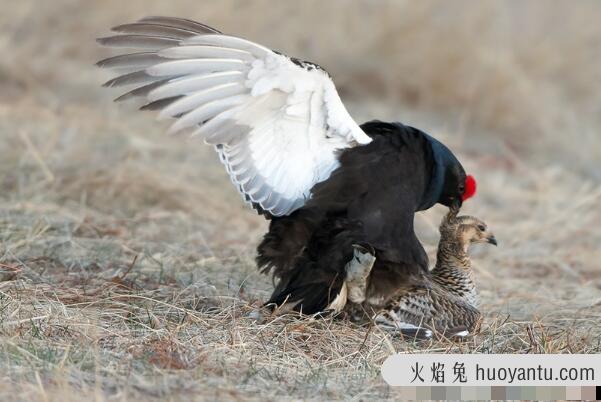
(449, 185)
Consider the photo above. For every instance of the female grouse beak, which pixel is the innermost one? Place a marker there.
(492, 240)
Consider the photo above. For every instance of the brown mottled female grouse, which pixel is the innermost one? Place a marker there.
(444, 300)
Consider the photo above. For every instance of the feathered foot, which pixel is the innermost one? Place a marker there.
(358, 270)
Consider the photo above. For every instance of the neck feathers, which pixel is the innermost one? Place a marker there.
(453, 271)
(437, 176)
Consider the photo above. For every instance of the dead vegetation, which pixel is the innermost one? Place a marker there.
(126, 260)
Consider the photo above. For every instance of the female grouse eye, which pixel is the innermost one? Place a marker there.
(482, 228)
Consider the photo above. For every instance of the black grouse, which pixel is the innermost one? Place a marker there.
(290, 147)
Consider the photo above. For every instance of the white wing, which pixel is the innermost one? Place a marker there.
(276, 122)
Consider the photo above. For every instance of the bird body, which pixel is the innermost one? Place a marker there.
(294, 153)
(371, 198)
(444, 299)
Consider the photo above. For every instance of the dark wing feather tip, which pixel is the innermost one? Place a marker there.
(141, 91)
(140, 59)
(154, 29)
(136, 77)
(138, 41)
(160, 104)
(183, 23)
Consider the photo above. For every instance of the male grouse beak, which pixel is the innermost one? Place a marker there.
(492, 240)
(456, 204)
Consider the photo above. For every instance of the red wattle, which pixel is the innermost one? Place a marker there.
(470, 187)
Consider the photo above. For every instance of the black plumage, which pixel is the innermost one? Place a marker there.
(371, 198)
(279, 127)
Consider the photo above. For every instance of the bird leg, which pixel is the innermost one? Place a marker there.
(358, 270)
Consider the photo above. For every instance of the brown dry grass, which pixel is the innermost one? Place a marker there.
(126, 258)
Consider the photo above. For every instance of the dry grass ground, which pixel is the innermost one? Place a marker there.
(126, 258)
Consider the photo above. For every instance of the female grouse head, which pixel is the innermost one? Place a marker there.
(464, 230)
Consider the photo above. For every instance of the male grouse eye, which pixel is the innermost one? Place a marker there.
(482, 228)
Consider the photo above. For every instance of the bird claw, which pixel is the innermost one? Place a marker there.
(255, 315)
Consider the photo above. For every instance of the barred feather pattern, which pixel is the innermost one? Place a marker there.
(446, 299)
(453, 272)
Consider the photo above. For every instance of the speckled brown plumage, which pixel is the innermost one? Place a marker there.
(444, 299)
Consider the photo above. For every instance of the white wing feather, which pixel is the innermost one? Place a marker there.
(276, 124)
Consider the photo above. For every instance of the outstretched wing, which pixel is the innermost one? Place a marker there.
(276, 122)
